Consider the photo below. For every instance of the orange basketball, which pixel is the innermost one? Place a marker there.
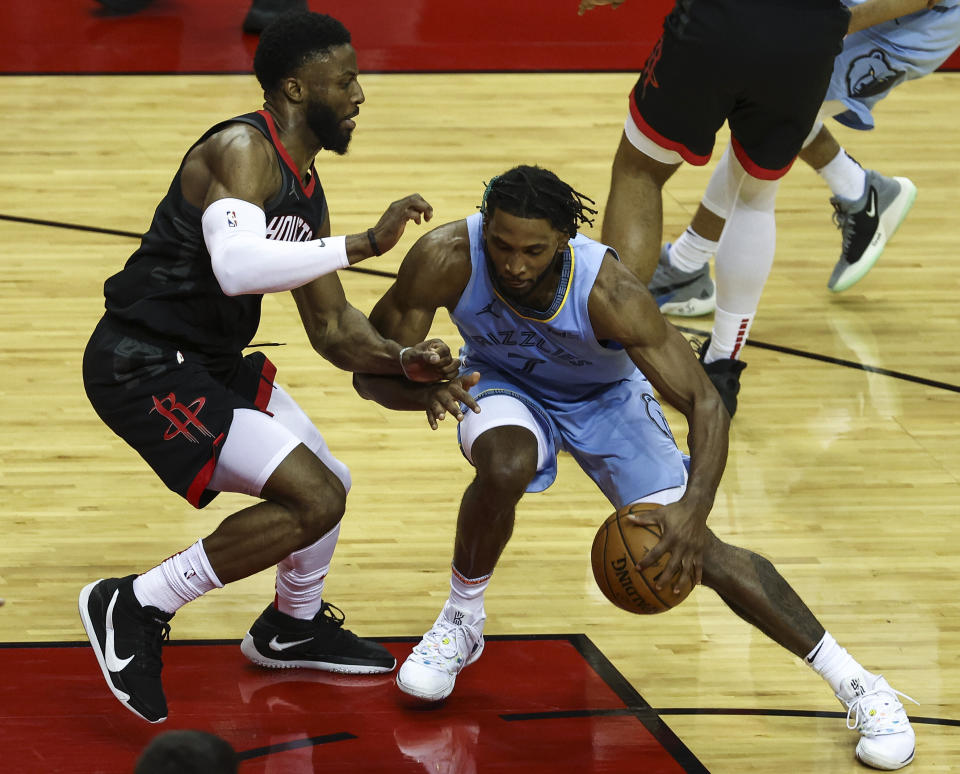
(617, 548)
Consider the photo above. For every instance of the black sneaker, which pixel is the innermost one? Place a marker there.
(280, 641)
(127, 639)
(725, 375)
(867, 223)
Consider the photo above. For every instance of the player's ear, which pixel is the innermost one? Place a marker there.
(293, 89)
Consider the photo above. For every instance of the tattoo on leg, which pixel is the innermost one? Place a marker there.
(762, 597)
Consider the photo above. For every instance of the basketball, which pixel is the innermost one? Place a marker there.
(617, 548)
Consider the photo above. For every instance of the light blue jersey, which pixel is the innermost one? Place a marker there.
(879, 58)
(589, 398)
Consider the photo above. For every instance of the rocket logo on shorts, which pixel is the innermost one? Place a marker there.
(231, 219)
(180, 417)
(647, 76)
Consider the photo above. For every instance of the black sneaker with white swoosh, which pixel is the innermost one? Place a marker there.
(127, 639)
(280, 641)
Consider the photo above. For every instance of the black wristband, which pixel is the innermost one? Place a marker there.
(373, 242)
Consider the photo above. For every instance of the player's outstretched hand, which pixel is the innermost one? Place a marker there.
(685, 534)
(390, 227)
(446, 397)
(429, 361)
(589, 5)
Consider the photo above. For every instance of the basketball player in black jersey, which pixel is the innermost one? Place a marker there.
(761, 66)
(245, 215)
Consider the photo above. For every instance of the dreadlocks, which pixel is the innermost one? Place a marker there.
(534, 192)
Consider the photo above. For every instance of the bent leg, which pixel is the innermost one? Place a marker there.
(504, 446)
(506, 461)
(303, 500)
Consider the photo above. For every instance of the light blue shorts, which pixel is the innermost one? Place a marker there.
(879, 58)
(619, 437)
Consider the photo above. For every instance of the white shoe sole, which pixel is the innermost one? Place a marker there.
(444, 691)
(692, 307)
(890, 221)
(883, 765)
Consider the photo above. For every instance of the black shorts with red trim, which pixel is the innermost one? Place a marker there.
(172, 406)
(762, 65)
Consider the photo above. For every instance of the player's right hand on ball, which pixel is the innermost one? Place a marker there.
(446, 397)
(390, 227)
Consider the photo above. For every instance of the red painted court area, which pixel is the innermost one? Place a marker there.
(529, 705)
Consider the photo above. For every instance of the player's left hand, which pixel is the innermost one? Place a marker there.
(448, 397)
(429, 361)
(684, 536)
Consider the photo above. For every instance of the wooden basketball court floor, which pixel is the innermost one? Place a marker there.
(844, 467)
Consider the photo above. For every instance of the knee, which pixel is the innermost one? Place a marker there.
(317, 508)
(757, 194)
(506, 477)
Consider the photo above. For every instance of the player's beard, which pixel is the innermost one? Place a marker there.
(326, 125)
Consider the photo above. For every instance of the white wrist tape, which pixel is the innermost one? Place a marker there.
(245, 261)
(402, 367)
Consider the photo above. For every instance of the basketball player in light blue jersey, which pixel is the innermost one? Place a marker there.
(563, 345)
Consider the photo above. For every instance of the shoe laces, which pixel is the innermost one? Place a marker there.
(878, 711)
(331, 615)
(155, 633)
(843, 221)
(446, 640)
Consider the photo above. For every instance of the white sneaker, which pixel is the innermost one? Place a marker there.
(887, 740)
(429, 673)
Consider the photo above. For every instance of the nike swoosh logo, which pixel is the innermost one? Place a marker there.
(872, 206)
(275, 644)
(114, 663)
(813, 655)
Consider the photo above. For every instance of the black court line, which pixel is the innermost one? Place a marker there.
(692, 331)
(134, 235)
(639, 708)
(731, 711)
(591, 654)
(296, 744)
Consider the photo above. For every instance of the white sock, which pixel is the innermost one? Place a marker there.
(845, 176)
(691, 251)
(467, 594)
(835, 665)
(730, 333)
(177, 580)
(300, 577)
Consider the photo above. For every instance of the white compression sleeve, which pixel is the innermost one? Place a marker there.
(245, 261)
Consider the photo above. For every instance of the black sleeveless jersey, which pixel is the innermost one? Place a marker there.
(167, 290)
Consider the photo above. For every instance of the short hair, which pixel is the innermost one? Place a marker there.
(187, 752)
(534, 192)
(291, 40)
